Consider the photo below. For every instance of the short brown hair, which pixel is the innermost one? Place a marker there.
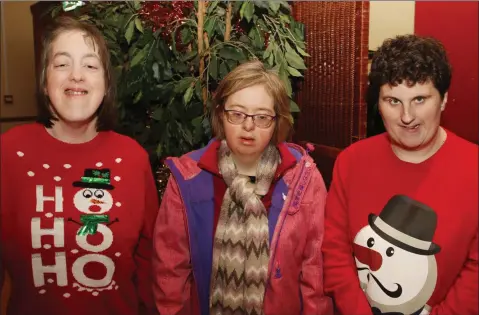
(249, 74)
(106, 113)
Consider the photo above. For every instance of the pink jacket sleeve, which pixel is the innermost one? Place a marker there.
(143, 252)
(171, 259)
(462, 296)
(340, 276)
(311, 281)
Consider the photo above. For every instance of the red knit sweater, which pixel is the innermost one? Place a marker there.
(49, 191)
(421, 249)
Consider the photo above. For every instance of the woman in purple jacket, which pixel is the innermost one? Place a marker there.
(240, 226)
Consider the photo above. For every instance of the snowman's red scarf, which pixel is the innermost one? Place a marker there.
(241, 243)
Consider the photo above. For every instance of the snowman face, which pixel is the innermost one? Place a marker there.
(393, 277)
(93, 201)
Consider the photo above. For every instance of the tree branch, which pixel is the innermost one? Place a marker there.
(201, 19)
(229, 10)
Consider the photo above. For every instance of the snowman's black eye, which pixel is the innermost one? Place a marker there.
(390, 251)
(370, 242)
(99, 194)
(87, 193)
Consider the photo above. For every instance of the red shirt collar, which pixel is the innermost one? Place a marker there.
(209, 160)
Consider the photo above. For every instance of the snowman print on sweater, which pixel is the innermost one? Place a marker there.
(94, 201)
(395, 259)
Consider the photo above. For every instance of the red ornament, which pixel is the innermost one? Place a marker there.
(160, 15)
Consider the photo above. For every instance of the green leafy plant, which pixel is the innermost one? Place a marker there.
(170, 56)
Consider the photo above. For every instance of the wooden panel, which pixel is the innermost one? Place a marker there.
(331, 97)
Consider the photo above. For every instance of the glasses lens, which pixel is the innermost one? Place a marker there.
(263, 121)
(235, 117)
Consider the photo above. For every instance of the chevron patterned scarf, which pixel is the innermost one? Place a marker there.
(241, 243)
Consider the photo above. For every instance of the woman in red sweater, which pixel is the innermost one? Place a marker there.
(401, 215)
(78, 201)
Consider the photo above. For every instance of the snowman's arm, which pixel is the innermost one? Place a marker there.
(114, 221)
(71, 220)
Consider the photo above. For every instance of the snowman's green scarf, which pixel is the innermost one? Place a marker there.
(90, 223)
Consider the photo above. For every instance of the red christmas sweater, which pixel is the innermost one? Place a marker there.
(401, 238)
(75, 224)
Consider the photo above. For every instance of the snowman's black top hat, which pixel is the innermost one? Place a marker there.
(408, 224)
(95, 178)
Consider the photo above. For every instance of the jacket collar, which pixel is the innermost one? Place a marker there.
(209, 159)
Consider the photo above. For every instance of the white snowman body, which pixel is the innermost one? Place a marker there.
(394, 279)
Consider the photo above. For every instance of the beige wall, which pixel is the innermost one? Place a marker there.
(389, 18)
(18, 74)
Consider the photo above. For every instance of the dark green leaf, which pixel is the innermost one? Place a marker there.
(247, 10)
(267, 51)
(220, 11)
(213, 67)
(180, 67)
(140, 56)
(284, 18)
(199, 131)
(294, 72)
(261, 4)
(159, 150)
(167, 73)
(138, 24)
(278, 54)
(237, 6)
(271, 59)
(157, 114)
(298, 30)
(229, 52)
(188, 95)
(212, 6)
(138, 97)
(231, 64)
(223, 69)
(302, 52)
(183, 84)
(156, 71)
(198, 89)
(293, 58)
(285, 4)
(274, 6)
(129, 31)
(210, 26)
(285, 78)
(293, 107)
(262, 25)
(137, 4)
(244, 39)
(190, 55)
(197, 121)
(257, 37)
(186, 35)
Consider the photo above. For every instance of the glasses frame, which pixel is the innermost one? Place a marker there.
(253, 117)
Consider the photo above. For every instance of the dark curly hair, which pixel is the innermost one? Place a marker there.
(410, 58)
(413, 59)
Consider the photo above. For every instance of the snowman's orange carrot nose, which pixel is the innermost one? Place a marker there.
(97, 202)
(368, 257)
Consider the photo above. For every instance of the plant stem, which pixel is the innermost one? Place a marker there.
(201, 18)
(229, 10)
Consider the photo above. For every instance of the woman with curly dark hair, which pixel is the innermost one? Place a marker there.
(401, 224)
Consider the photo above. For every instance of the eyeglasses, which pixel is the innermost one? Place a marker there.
(260, 120)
